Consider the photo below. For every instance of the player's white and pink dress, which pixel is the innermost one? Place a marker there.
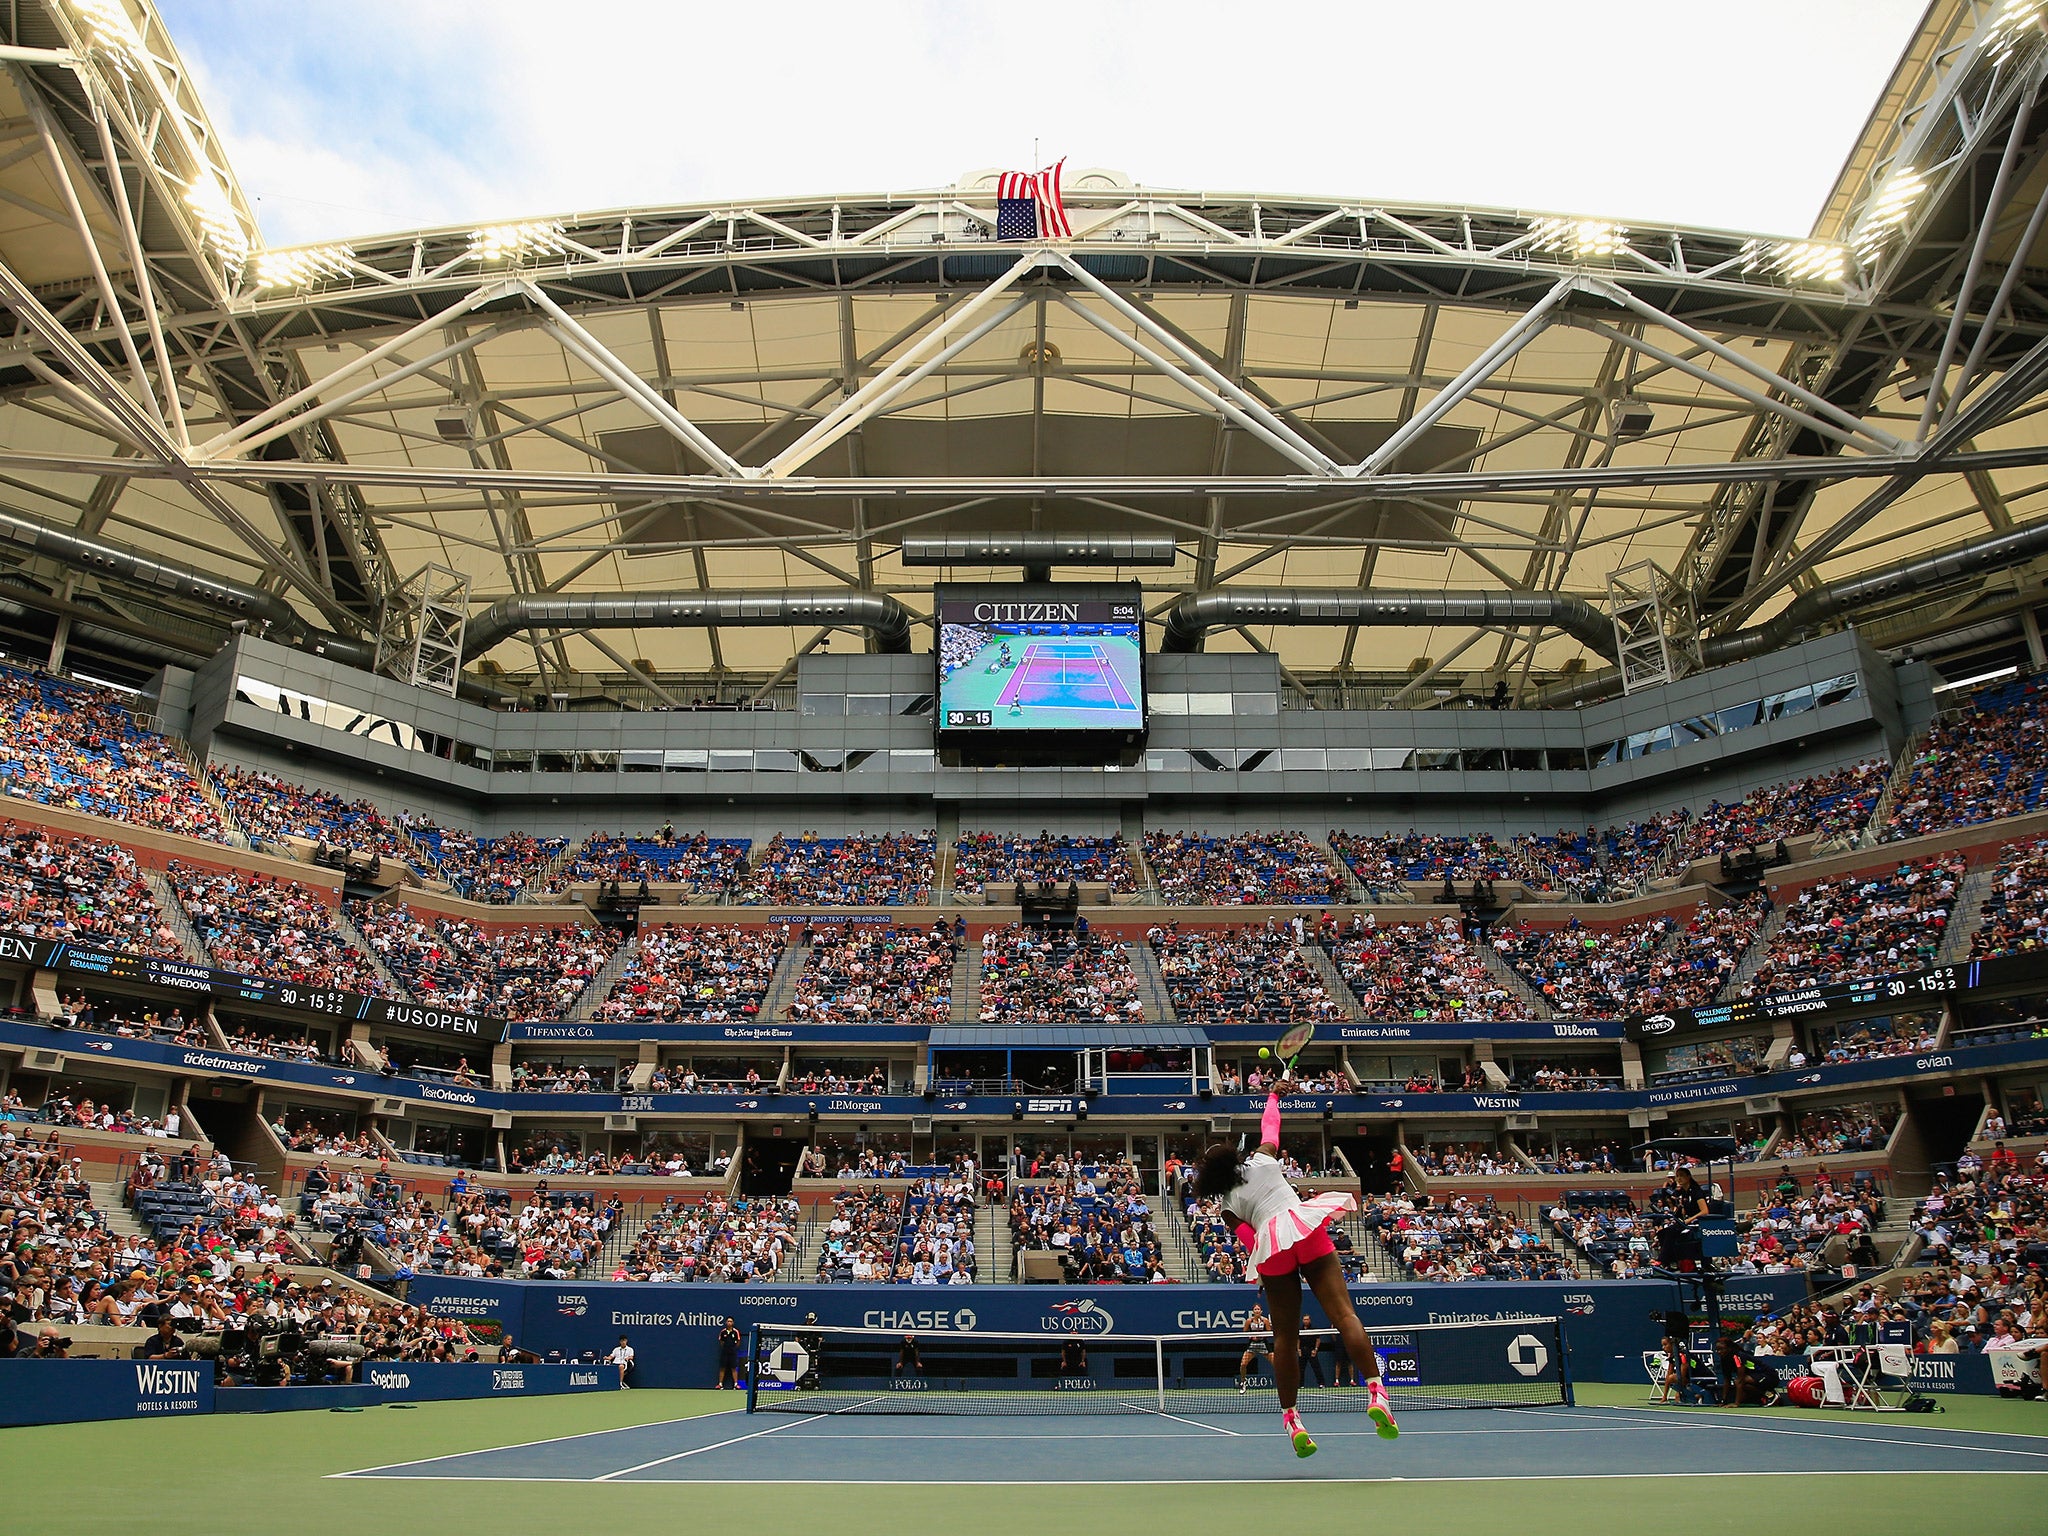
(1282, 1230)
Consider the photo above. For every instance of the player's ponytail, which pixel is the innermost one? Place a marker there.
(1219, 1172)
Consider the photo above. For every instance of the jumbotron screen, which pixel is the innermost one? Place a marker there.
(1041, 659)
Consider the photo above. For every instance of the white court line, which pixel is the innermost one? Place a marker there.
(1710, 1421)
(1244, 1434)
(1196, 1423)
(757, 1485)
(527, 1445)
(699, 1451)
(1888, 1421)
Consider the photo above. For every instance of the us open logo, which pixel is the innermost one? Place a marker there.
(1085, 1316)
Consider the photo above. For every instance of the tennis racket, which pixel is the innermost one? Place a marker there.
(1290, 1046)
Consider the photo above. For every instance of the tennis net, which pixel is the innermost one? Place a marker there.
(796, 1369)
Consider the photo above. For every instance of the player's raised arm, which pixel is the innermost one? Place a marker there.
(1269, 1122)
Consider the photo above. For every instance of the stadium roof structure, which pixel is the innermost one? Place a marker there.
(641, 448)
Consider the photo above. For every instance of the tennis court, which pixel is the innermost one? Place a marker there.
(1088, 681)
(1450, 1446)
(638, 1463)
(1065, 674)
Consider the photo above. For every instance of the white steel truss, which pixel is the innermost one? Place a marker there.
(175, 302)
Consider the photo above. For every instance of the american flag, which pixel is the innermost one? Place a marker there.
(1028, 206)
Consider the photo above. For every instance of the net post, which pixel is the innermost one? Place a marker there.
(1159, 1362)
(1564, 1363)
(753, 1365)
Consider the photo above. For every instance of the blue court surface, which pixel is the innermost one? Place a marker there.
(1461, 1446)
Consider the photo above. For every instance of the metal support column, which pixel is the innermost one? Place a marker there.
(420, 629)
(1655, 634)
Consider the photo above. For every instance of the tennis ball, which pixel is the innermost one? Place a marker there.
(1264, 1052)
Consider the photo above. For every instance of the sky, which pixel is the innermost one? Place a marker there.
(358, 118)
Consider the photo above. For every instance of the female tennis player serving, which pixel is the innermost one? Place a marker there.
(1288, 1245)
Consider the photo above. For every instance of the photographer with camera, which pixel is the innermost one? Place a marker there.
(50, 1347)
(164, 1344)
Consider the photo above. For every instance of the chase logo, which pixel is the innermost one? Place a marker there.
(1083, 1316)
(1527, 1355)
(572, 1306)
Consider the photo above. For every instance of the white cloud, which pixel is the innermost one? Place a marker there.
(380, 115)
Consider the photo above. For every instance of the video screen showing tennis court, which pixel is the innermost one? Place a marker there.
(1058, 667)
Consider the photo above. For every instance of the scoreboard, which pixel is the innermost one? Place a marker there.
(233, 986)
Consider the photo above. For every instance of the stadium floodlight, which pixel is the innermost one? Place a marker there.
(1889, 207)
(509, 242)
(2009, 28)
(110, 29)
(303, 267)
(1796, 261)
(1578, 238)
(218, 221)
(1629, 418)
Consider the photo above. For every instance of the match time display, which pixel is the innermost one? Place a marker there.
(1041, 663)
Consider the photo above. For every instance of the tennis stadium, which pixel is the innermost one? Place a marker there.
(1035, 848)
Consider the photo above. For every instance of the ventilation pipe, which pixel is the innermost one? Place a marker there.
(134, 567)
(1809, 610)
(833, 608)
(1190, 619)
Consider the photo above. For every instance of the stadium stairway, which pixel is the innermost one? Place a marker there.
(1152, 992)
(556, 866)
(108, 1199)
(1759, 947)
(238, 836)
(1965, 915)
(995, 1252)
(346, 927)
(1183, 1259)
(1354, 890)
(601, 984)
(1333, 979)
(176, 918)
(620, 1240)
(1517, 984)
(1141, 867)
(966, 985)
(782, 983)
(1902, 770)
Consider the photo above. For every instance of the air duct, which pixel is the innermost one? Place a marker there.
(1190, 619)
(1039, 550)
(1809, 610)
(121, 563)
(19, 603)
(134, 567)
(879, 614)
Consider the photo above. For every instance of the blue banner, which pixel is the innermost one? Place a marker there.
(683, 1032)
(397, 1381)
(207, 1061)
(1394, 1031)
(674, 1328)
(73, 1391)
(1935, 1375)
